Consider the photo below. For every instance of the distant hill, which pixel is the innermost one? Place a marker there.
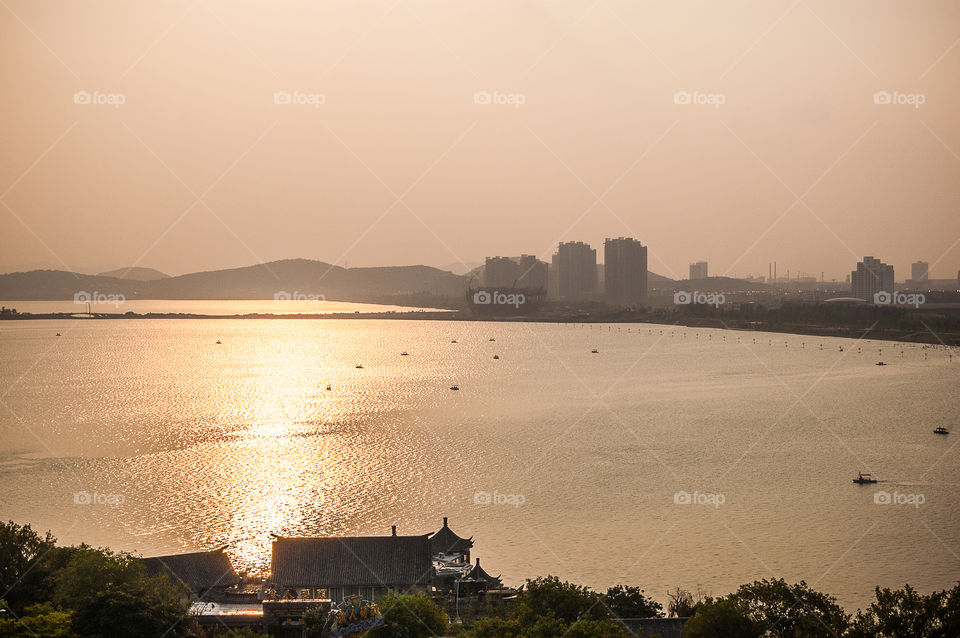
(136, 273)
(461, 269)
(389, 284)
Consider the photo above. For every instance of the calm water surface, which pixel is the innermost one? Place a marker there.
(198, 445)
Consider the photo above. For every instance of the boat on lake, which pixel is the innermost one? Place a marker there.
(941, 430)
(863, 479)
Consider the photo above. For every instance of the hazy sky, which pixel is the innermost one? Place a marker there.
(389, 159)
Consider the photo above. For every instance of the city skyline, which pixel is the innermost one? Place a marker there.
(198, 138)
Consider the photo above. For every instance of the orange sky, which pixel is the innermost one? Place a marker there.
(389, 159)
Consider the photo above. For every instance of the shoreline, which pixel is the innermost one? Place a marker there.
(928, 337)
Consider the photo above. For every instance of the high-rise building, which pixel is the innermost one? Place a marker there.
(500, 272)
(698, 270)
(532, 273)
(625, 270)
(575, 264)
(919, 271)
(870, 277)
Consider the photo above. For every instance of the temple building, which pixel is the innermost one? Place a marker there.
(477, 580)
(205, 574)
(333, 567)
(447, 546)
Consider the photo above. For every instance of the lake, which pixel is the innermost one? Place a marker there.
(671, 457)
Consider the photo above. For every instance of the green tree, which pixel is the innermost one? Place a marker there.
(551, 597)
(630, 602)
(682, 602)
(112, 595)
(410, 616)
(721, 618)
(775, 609)
(38, 621)
(24, 565)
(597, 629)
(792, 610)
(495, 628)
(905, 612)
(314, 620)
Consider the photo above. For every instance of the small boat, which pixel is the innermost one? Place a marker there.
(454, 341)
(941, 430)
(219, 342)
(496, 356)
(404, 354)
(328, 386)
(491, 339)
(59, 335)
(595, 351)
(881, 363)
(454, 387)
(863, 479)
(358, 367)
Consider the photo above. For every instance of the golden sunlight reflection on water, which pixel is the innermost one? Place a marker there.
(225, 444)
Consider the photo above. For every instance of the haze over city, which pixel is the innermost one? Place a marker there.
(488, 319)
(389, 159)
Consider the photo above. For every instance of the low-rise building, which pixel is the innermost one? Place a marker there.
(334, 567)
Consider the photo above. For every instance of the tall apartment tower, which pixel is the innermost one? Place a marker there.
(624, 270)
(870, 277)
(500, 272)
(575, 264)
(532, 273)
(698, 270)
(920, 271)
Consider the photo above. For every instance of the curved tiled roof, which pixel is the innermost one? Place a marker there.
(477, 573)
(446, 541)
(199, 570)
(348, 561)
